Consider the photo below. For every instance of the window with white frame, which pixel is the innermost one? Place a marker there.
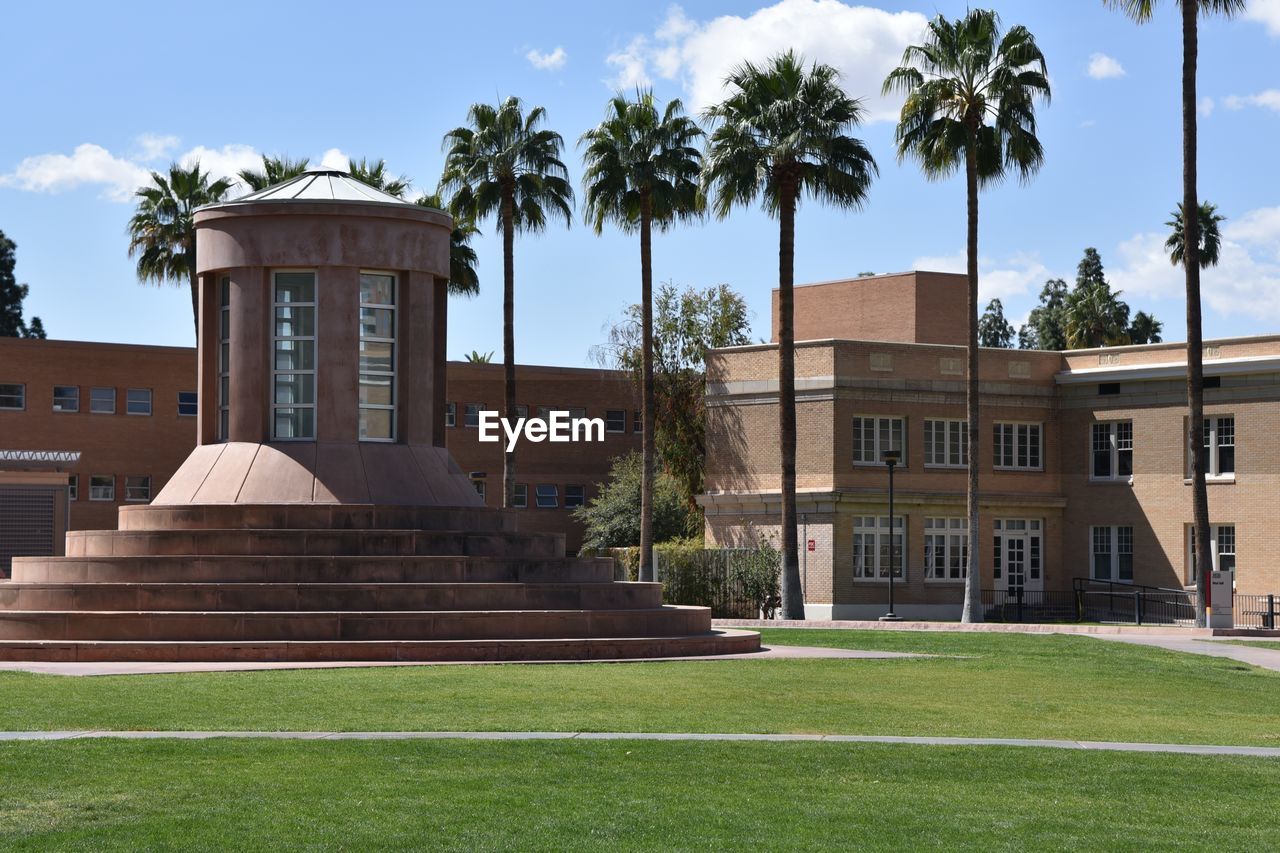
(520, 495)
(946, 443)
(471, 415)
(137, 401)
(1112, 451)
(875, 547)
(102, 401)
(137, 488)
(73, 487)
(1030, 529)
(1017, 446)
(946, 549)
(377, 357)
(224, 358)
(450, 414)
(574, 496)
(547, 495)
(188, 404)
(1222, 548)
(480, 488)
(66, 398)
(293, 406)
(873, 435)
(1112, 550)
(13, 395)
(637, 421)
(102, 487)
(1218, 451)
(615, 420)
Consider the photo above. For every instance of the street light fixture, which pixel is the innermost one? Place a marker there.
(891, 459)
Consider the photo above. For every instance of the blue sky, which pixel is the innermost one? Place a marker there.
(98, 93)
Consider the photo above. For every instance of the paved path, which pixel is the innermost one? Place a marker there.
(1265, 658)
(1101, 746)
(158, 667)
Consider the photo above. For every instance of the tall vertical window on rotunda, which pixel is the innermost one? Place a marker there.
(224, 357)
(377, 357)
(293, 401)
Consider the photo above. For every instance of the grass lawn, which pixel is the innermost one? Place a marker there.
(1257, 644)
(262, 795)
(1009, 685)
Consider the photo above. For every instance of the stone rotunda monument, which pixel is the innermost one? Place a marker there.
(320, 516)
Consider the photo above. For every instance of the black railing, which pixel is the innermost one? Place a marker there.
(736, 583)
(1109, 601)
(1025, 605)
(1257, 611)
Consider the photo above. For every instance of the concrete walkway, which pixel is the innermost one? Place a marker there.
(1265, 658)
(1100, 746)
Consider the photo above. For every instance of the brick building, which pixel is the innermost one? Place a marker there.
(130, 413)
(1082, 472)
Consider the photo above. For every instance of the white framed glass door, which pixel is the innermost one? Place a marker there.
(1018, 554)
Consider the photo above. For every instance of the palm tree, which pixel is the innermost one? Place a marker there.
(1145, 329)
(1210, 236)
(477, 357)
(375, 175)
(505, 164)
(463, 278)
(161, 233)
(274, 170)
(782, 133)
(642, 170)
(971, 104)
(1096, 317)
(1142, 11)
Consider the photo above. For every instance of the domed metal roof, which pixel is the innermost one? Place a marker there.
(317, 185)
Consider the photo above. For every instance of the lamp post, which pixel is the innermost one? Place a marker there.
(891, 458)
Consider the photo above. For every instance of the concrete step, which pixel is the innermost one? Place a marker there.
(311, 569)
(95, 543)
(667, 621)
(315, 517)
(239, 597)
(718, 642)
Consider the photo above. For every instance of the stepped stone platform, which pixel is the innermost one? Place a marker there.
(243, 582)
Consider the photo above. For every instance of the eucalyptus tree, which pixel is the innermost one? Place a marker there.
(783, 133)
(1209, 232)
(993, 329)
(642, 168)
(161, 232)
(504, 163)
(971, 94)
(1190, 10)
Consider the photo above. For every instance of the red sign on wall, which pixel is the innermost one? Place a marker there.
(813, 544)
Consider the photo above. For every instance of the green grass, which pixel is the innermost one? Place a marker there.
(261, 795)
(1257, 644)
(1007, 685)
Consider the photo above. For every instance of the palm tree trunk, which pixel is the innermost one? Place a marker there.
(508, 337)
(972, 609)
(647, 438)
(792, 594)
(1191, 267)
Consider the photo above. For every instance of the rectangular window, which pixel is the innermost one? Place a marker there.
(102, 401)
(1112, 550)
(873, 435)
(548, 496)
(73, 487)
(1017, 446)
(637, 421)
(946, 444)
(480, 488)
(872, 541)
(293, 402)
(377, 357)
(137, 489)
(471, 415)
(1112, 451)
(13, 396)
(577, 413)
(615, 420)
(224, 357)
(137, 401)
(66, 398)
(574, 496)
(520, 495)
(946, 549)
(1222, 547)
(1218, 454)
(522, 411)
(188, 404)
(450, 414)
(102, 487)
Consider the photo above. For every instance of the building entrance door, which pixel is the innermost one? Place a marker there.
(1018, 555)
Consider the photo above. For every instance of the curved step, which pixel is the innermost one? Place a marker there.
(719, 642)
(310, 569)
(315, 517)
(94, 543)
(667, 621)
(327, 596)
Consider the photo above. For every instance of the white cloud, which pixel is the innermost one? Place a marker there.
(1245, 283)
(1266, 12)
(224, 162)
(1103, 67)
(997, 279)
(552, 61)
(1205, 108)
(1268, 99)
(88, 164)
(152, 146)
(865, 44)
(334, 158)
